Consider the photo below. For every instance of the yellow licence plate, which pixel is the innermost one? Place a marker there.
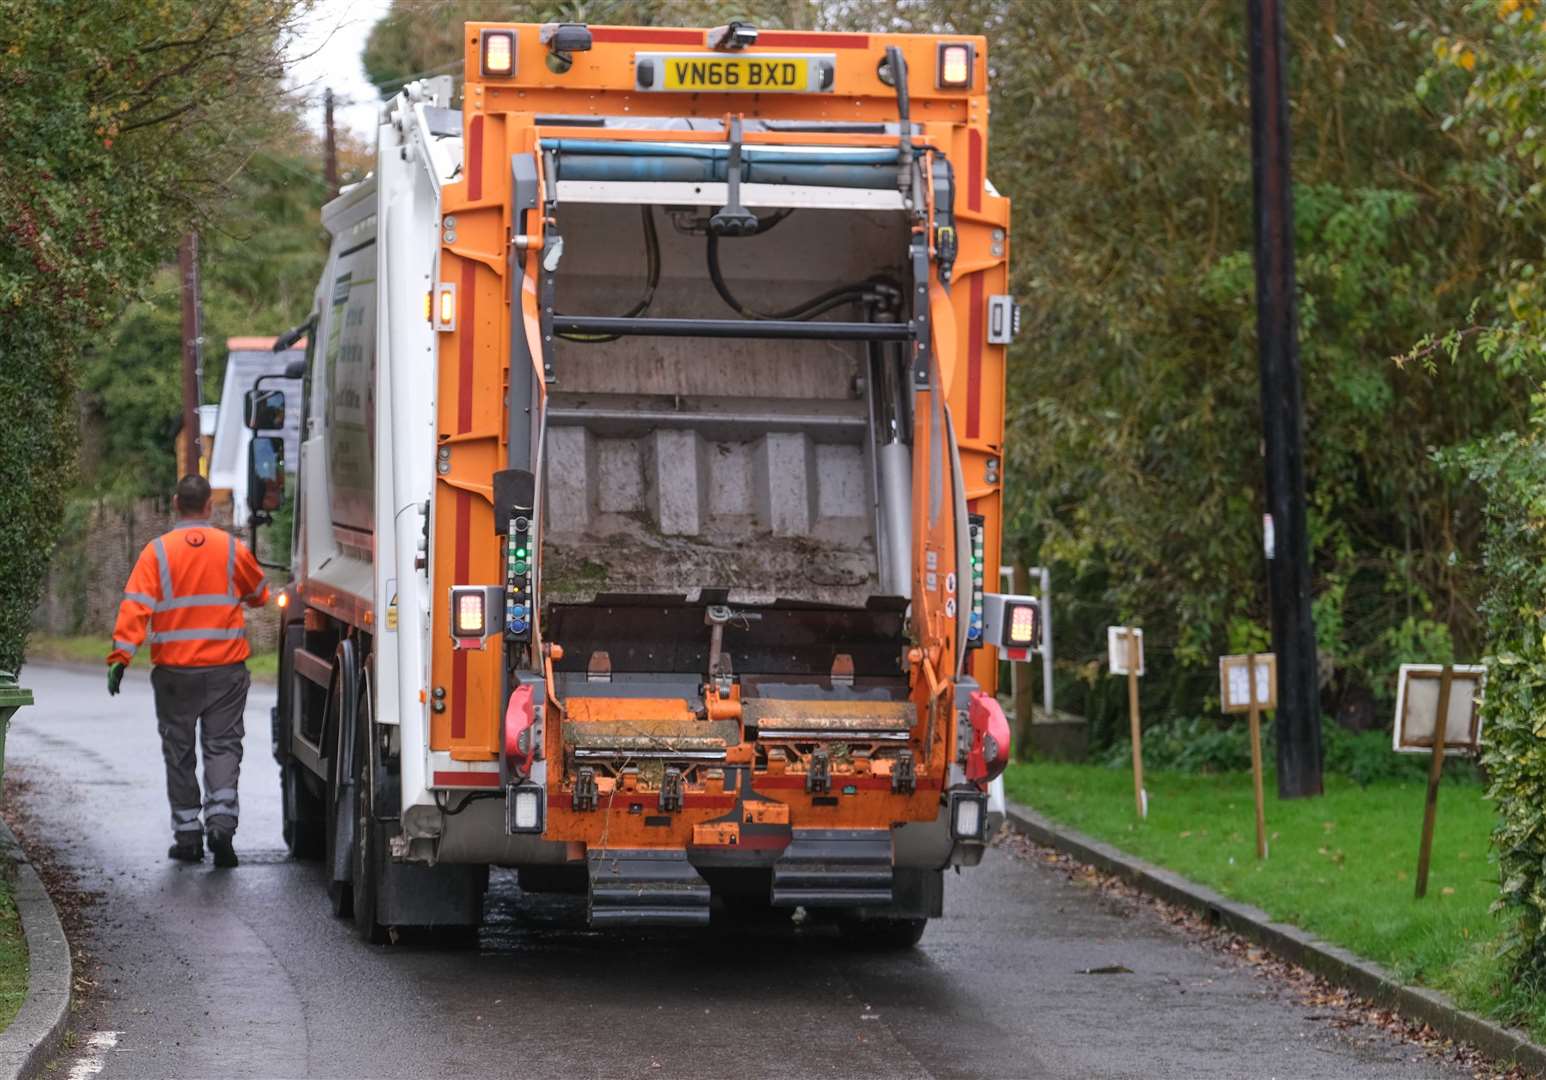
(744, 74)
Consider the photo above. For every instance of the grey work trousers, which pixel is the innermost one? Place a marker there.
(215, 696)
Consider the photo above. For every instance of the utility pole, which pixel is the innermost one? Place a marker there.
(190, 448)
(330, 145)
(1288, 553)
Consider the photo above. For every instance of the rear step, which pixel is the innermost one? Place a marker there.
(646, 888)
(834, 868)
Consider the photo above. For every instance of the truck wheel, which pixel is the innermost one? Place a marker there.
(882, 935)
(369, 836)
(302, 811)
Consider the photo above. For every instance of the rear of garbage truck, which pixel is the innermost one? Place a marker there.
(652, 485)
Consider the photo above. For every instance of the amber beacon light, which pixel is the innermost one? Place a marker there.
(498, 54)
(955, 66)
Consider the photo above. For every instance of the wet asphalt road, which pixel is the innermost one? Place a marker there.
(244, 973)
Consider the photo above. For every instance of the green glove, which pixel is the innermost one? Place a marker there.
(114, 677)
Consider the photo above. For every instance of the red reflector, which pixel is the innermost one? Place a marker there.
(519, 718)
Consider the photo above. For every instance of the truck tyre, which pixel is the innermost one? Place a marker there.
(882, 935)
(369, 835)
(342, 703)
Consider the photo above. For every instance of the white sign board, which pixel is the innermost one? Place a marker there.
(1417, 708)
(1117, 648)
(1235, 682)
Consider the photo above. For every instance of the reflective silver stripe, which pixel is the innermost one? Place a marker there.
(227, 794)
(221, 809)
(159, 636)
(124, 646)
(140, 598)
(230, 565)
(166, 571)
(186, 820)
(202, 600)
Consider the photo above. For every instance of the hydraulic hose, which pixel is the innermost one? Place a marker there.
(806, 309)
(652, 274)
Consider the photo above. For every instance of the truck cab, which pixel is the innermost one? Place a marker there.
(650, 485)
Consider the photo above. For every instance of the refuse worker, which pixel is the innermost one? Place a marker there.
(188, 588)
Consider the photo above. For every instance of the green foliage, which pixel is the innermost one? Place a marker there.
(261, 254)
(1121, 131)
(1486, 78)
(1212, 746)
(1512, 471)
(122, 123)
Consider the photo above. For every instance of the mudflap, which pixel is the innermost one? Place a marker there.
(646, 888)
(916, 893)
(834, 868)
(445, 895)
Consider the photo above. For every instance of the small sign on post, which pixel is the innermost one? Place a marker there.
(1249, 684)
(1124, 647)
(1438, 711)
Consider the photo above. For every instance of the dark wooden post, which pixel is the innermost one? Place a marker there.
(1288, 563)
(1435, 774)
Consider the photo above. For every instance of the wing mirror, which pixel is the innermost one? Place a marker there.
(265, 474)
(264, 410)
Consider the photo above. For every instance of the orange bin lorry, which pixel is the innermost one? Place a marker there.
(651, 485)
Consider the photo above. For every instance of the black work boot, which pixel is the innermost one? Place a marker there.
(220, 846)
(187, 847)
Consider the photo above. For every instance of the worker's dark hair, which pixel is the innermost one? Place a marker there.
(192, 495)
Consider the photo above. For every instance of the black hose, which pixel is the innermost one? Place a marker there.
(652, 261)
(803, 310)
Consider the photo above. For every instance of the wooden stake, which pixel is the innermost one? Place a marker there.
(1255, 714)
(1435, 774)
(1132, 709)
(1020, 680)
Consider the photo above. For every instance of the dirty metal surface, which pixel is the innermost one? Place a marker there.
(830, 717)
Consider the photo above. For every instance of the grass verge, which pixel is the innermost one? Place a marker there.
(89, 649)
(13, 957)
(1342, 866)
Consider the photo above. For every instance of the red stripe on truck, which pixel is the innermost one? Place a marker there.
(974, 169)
(465, 779)
(797, 40)
(475, 159)
(622, 35)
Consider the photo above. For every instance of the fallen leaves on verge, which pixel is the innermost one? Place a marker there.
(70, 899)
(1347, 1012)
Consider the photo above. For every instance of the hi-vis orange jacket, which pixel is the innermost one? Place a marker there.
(189, 586)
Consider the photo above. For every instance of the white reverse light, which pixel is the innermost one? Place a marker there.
(968, 815)
(524, 809)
